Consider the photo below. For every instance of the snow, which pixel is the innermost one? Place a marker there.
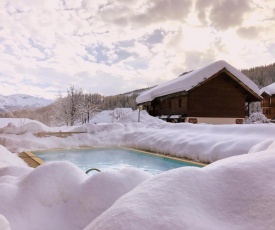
(109, 116)
(270, 89)
(16, 121)
(64, 194)
(102, 117)
(9, 159)
(234, 192)
(192, 79)
(199, 142)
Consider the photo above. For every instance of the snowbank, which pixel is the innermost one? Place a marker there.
(102, 117)
(145, 118)
(235, 193)
(199, 142)
(4, 224)
(9, 159)
(29, 127)
(62, 193)
(16, 121)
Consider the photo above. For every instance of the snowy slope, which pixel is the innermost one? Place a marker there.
(22, 100)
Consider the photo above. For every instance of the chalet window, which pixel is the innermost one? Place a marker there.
(179, 102)
(169, 104)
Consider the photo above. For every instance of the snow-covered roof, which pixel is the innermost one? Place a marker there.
(192, 79)
(270, 89)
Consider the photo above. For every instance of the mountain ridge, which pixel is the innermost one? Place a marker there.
(18, 101)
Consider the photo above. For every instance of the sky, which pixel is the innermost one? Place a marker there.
(112, 47)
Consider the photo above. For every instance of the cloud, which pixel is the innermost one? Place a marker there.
(110, 47)
(249, 32)
(222, 14)
(143, 13)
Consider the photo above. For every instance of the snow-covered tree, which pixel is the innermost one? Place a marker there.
(60, 115)
(67, 110)
(255, 107)
(91, 106)
(76, 107)
(256, 118)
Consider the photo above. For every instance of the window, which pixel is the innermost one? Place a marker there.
(179, 102)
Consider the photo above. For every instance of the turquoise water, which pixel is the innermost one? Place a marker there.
(115, 158)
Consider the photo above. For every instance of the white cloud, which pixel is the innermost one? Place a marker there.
(115, 46)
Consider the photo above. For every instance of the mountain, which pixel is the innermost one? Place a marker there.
(20, 101)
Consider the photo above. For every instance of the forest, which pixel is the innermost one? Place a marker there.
(261, 75)
(79, 107)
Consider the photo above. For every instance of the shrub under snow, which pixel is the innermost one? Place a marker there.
(256, 118)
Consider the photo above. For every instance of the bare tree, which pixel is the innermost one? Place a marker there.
(61, 111)
(76, 107)
(91, 106)
(75, 104)
(68, 110)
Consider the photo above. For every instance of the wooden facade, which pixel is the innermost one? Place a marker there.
(220, 96)
(268, 105)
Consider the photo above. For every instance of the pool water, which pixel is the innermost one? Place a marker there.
(115, 158)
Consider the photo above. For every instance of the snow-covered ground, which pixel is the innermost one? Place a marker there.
(200, 142)
(232, 193)
(102, 117)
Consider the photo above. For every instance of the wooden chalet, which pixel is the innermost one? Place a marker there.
(215, 94)
(268, 102)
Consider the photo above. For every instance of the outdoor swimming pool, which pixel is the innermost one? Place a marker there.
(115, 158)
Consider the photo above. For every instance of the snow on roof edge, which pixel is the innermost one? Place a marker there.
(270, 89)
(192, 79)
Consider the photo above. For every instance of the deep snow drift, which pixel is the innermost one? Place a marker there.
(236, 193)
(233, 193)
(62, 193)
(199, 142)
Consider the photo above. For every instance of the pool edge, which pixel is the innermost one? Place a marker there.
(168, 156)
(30, 159)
